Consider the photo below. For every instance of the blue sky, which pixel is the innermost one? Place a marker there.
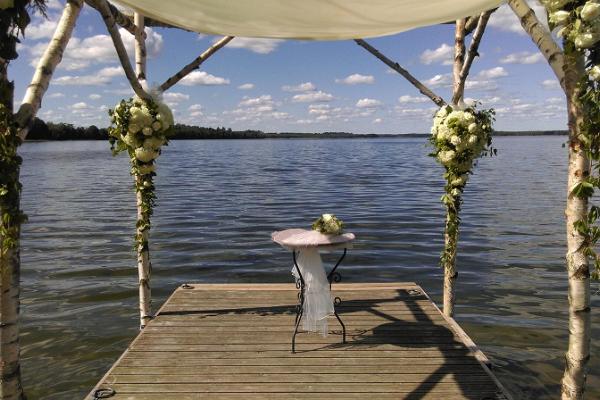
(291, 86)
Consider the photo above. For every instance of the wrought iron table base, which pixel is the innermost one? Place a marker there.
(333, 276)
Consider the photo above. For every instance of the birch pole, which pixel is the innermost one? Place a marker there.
(143, 251)
(32, 101)
(569, 69)
(104, 9)
(450, 231)
(578, 353)
(10, 262)
(195, 64)
(407, 75)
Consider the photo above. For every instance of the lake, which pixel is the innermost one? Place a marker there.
(218, 202)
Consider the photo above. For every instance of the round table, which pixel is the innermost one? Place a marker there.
(298, 239)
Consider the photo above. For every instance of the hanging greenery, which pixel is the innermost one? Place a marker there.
(10, 187)
(578, 23)
(459, 138)
(141, 128)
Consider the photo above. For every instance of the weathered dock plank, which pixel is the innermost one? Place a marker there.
(232, 341)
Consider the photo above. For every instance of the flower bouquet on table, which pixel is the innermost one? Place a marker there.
(328, 224)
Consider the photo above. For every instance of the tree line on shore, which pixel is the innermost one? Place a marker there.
(42, 130)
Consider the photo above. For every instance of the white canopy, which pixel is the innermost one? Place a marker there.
(306, 19)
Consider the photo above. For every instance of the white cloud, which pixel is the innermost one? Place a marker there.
(95, 96)
(443, 54)
(302, 87)
(55, 95)
(492, 73)
(410, 99)
(42, 29)
(256, 45)
(195, 110)
(253, 110)
(440, 80)
(175, 97)
(257, 101)
(319, 109)
(310, 97)
(101, 77)
(80, 106)
(377, 120)
(203, 78)
(80, 53)
(481, 85)
(368, 103)
(356, 79)
(305, 121)
(246, 86)
(505, 19)
(522, 57)
(550, 84)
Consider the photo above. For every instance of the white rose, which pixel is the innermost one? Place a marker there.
(327, 217)
(147, 131)
(586, 40)
(131, 141)
(133, 128)
(559, 17)
(590, 11)
(146, 169)
(153, 143)
(472, 139)
(455, 140)
(145, 155)
(156, 125)
(594, 73)
(446, 157)
(472, 127)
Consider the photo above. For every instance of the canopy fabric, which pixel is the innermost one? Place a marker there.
(306, 19)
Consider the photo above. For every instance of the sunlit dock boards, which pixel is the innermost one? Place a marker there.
(232, 341)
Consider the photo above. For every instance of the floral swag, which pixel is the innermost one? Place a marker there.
(459, 138)
(141, 128)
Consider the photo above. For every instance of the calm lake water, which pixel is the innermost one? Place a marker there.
(218, 202)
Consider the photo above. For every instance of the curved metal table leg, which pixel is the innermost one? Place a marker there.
(300, 307)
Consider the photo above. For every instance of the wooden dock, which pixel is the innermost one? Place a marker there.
(232, 341)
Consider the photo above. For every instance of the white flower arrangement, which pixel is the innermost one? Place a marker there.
(577, 22)
(459, 137)
(141, 127)
(328, 224)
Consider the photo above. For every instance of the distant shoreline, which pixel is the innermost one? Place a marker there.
(42, 131)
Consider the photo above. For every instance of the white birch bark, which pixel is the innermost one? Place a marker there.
(578, 353)
(195, 64)
(103, 7)
(568, 68)
(10, 263)
(143, 252)
(407, 75)
(32, 101)
(471, 54)
(140, 47)
(541, 37)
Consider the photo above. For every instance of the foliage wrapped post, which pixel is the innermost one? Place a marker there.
(458, 137)
(141, 127)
